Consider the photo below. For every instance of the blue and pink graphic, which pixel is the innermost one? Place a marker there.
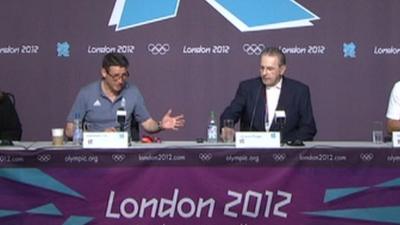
(208, 187)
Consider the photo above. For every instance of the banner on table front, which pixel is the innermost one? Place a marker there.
(199, 195)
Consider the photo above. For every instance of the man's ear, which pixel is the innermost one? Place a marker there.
(282, 69)
(103, 73)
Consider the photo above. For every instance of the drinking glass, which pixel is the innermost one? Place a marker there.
(377, 132)
(228, 131)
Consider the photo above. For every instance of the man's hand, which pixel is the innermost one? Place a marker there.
(227, 134)
(111, 129)
(169, 122)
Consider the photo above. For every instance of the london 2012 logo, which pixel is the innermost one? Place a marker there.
(249, 15)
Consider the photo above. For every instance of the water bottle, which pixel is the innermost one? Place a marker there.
(78, 133)
(212, 131)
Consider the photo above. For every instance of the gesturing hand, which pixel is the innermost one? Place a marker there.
(169, 122)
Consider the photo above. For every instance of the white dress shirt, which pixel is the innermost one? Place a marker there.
(272, 94)
(393, 111)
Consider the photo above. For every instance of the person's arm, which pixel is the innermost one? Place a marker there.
(307, 128)
(78, 109)
(235, 109)
(225, 132)
(69, 130)
(12, 126)
(393, 125)
(393, 110)
(168, 122)
(151, 126)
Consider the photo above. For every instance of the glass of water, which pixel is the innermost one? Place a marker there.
(377, 132)
(228, 131)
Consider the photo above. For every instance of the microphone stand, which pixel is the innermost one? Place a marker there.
(121, 117)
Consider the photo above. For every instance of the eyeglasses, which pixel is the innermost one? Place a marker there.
(122, 76)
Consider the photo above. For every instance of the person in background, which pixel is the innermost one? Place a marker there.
(393, 110)
(258, 99)
(97, 103)
(10, 125)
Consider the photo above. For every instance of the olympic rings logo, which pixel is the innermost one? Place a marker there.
(366, 157)
(205, 156)
(253, 49)
(279, 157)
(118, 157)
(43, 158)
(158, 49)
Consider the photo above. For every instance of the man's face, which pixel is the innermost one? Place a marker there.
(115, 78)
(270, 70)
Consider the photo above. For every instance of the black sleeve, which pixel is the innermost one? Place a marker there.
(307, 128)
(235, 109)
(10, 125)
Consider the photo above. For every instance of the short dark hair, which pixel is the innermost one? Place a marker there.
(115, 59)
(274, 51)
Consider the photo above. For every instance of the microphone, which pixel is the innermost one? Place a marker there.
(280, 119)
(84, 124)
(121, 117)
(255, 107)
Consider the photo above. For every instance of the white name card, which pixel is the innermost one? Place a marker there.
(396, 139)
(105, 139)
(258, 139)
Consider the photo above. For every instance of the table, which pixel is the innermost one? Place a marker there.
(189, 183)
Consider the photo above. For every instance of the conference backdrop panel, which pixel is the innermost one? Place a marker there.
(191, 55)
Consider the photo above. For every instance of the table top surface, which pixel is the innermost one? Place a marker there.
(193, 145)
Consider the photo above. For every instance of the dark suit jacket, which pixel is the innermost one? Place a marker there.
(10, 126)
(248, 106)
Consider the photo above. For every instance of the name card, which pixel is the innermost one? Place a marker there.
(396, 139)
(258, 139)
(105, 139)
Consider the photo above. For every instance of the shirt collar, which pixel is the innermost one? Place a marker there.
(277, 86)
(117, 98)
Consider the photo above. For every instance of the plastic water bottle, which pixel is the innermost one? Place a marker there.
(212, 131)
(78, 133)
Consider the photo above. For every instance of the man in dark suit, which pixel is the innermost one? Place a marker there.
(259, 100)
